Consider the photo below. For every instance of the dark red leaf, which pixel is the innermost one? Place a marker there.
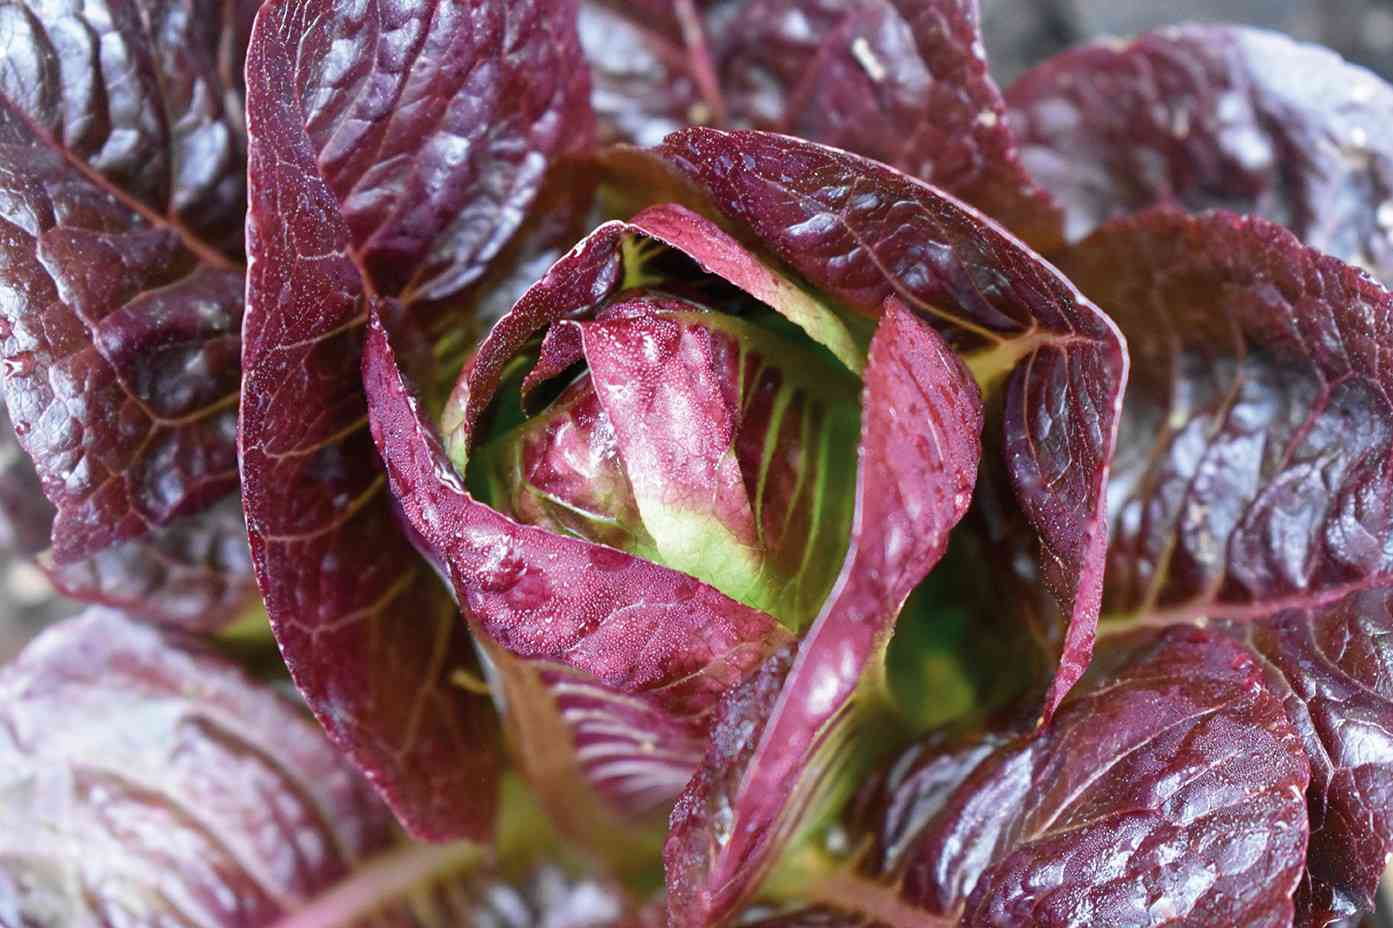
(380, 169)
(1258, 429)
(1169, 793)
(901, 81)
(1333, 670)
(151, 783)
(866, 233)
(921, 422)
(1216, 117)
(196, 574)
(121, 240)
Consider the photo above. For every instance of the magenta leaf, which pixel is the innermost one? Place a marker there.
(865, 233)
(1215, 117)
(779, 738)
(123, 179)
(625, 624)
(150, 782)
(196, 574)
(1258, 429)
(372, 174)
(1170, 792)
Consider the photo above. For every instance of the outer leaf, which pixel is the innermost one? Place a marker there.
(1216, 117)
(901, 81)
(147, 782)
(629, 625)
(1169, 793)
(121, 172)
(1332, 667)
(921, 421)
(865, 233)
(1260, 422)
(360, 186)
(196, 574)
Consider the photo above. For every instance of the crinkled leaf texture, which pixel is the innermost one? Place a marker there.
(1259, 436)
(1259, 425)
(783, 740)
(1216, 117)
(393, 154)
(195, 574)
(122, 177)
(1169, 793)
(647, 641)
(901, 81)
(148, 782)
(866, 234)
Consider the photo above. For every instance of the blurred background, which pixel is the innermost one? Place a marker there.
(1019, 34)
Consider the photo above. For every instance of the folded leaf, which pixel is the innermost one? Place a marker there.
(148, 782)
(627, 624)
(122, 176)
(377, 169)
(866, 233)
(1216, 117)
(1171, 792)
(783, 740)
(1258, 426)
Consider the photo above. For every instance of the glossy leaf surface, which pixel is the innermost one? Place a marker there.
(402, 162)
(1258, 427)
(921, 421)
(147, 782)
(1223, 117)
(865, 233)
(1172, 791)
(121, 156)
(901, 81)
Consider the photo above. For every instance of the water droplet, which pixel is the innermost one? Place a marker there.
(606, 558)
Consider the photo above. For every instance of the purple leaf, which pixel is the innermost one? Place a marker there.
(1216, 117)
(121, 157)
(901, 81)
(1332, 668)
(626, 624)
(1171, 792)
(921, 421)
(150, 782)
(358, 188)
(1259, 430)
(195, 575)
(866, 233)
